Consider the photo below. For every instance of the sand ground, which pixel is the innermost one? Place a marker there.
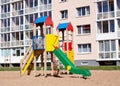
(98, 78)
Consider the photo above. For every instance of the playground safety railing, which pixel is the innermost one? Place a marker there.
(25, 58)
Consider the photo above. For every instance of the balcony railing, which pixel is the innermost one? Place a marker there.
(17, 28)
(5, 44)
(118, 33)
(119, 54)
(13, 43)
(105, 15)
(17, 43)
(118, 13)
(45, 7)
(16, 13)
(5, 29)
(28, 41)
(3, 15)
(29, 26)
(4, 1)
(107, 55)
(29, 10)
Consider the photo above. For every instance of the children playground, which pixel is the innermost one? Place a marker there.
(55, 44)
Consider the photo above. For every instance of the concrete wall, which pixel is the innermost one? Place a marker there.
(86, 63)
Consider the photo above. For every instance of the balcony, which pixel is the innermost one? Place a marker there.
(5, 44)
(31, 10)
(17, 28)
(5, 29)
(45, 7)
(105, 15)
(17, 43)
(28, 41)
(118, 33)
(107, 55)
(29, 26)
(4, 1)
(4, 15)
(16, 13)
(118, 13)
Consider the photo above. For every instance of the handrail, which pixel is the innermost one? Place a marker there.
(25, 58)
(27, 52)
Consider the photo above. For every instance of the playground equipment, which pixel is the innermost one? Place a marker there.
(45, 44)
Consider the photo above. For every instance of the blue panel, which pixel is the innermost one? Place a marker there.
(40, 20)
(38, 42)
(63, 26)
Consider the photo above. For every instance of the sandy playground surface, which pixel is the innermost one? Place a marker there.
(98, 78)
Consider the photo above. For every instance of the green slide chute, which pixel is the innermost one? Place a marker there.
(69, 65)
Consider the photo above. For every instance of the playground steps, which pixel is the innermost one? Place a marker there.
(26, 62)
(25, 58)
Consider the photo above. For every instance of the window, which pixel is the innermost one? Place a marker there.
(118, 4)
(111, 5)
(5, 22)
(83, 11)
(18, 5)
(5, 8)
(107, 49)
(21, 20)
(6, 52)
(84, 48)
(105, 6)
(5, 37)
(28, 34)
(84, 29)
(106, 26)
(46, 13)
(64, 14)
(30, 18)
(36, 2)
(63, 0)
(18, 51)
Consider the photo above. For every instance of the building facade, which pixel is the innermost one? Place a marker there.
(96, 28)
(16, 26)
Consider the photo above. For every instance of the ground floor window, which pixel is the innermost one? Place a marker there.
(5, 52)
(17, 51)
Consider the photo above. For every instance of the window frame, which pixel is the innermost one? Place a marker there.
(101, 28)
(82, 29)
(64, 14)
(107, 53)
(83, 11)
(82, 49)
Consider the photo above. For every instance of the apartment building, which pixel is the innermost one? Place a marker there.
(16, 26)
(96, 26)
(108, 31)
(96, 29)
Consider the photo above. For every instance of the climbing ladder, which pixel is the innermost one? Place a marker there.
(25, 59)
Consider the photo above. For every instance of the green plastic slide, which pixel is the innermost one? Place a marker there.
(69, 65)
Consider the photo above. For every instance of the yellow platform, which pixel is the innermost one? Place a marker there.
(51, 41)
